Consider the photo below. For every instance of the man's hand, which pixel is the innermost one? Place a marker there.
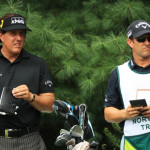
(146, 111)
(22, 91)
(132, 112)
(43, 101)
(115, 115)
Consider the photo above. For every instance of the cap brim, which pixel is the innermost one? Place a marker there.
(16, 27)
(141, 33)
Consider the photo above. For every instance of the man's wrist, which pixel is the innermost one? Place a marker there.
(124, 114)
(33, 99)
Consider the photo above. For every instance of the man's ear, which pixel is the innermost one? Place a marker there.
(0, 36)
(130, 42)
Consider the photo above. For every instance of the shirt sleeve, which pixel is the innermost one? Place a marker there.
(46, 84)
(112, 96)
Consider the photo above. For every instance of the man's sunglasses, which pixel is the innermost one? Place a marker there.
(143, 39)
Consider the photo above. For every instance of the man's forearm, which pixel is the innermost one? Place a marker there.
(43, 102)
(114, 115)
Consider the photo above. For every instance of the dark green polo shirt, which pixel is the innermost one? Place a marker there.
(29, 70)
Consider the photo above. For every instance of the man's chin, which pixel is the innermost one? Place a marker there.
(17, 51)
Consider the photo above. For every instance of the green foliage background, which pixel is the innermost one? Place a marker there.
(82, 41)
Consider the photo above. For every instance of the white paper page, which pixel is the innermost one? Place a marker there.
(144, 94)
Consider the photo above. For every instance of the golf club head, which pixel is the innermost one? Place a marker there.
(60, 142)
(62, 139)
(71, 142)
(94, 145)
(64, 131)
(76, 131)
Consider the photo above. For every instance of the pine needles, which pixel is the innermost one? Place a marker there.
(82, 42)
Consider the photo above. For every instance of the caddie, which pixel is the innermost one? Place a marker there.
(128, 90)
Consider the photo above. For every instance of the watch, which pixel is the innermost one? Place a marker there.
(33, 99)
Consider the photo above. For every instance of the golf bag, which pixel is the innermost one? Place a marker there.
(79, 128)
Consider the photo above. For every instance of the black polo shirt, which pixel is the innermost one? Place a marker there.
(29, 70)
(112, 96)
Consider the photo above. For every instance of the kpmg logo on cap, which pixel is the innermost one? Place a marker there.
(142, 24)
(15, 20)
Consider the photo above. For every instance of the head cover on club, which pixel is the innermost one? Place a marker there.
(82, 146)
(66, 111)
(72, 116)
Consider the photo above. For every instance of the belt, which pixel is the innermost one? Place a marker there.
(14, 133)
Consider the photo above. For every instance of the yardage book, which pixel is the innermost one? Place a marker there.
(7, 102)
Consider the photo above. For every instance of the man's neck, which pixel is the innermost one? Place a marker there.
(142, 62)
(10, 56)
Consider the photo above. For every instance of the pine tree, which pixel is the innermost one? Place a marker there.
(82, 41)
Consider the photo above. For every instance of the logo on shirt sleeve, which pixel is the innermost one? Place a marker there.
(49, 83)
